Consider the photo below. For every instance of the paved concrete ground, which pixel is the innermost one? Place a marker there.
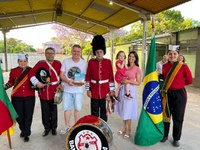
(189, 141)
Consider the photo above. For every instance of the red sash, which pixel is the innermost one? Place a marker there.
(167, 83)
(20, 80)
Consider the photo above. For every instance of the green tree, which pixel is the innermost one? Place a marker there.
(1, 46)
(117, 35)
(168, 21)
(87, 48)
(16, 46)
(189, 23)
(11, 44)
(165, 22)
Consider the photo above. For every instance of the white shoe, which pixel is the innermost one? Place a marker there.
(65, 130)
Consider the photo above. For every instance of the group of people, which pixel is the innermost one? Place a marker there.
(174, 74)
(99, 81)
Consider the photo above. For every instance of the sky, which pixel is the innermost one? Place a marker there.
(35, 36)
(190, 9)
(38, 35)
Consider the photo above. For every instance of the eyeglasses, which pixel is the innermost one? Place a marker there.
(50, 53)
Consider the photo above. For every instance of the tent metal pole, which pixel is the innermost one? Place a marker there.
(144, 44)
(112, 46)
(5, 48)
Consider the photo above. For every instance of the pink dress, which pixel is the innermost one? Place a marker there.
(127, 108)
(120, 73)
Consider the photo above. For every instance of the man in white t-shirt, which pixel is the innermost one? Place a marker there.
(161, 63)
(159, 68)
(73, 76)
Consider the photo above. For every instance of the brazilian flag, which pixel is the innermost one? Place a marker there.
(150, 127)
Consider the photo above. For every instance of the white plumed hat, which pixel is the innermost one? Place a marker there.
(23, 56)
(174, 47)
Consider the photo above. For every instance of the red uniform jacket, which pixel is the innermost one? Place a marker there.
(182, 78)
(99, 71)
(25, 89)
(48, 92)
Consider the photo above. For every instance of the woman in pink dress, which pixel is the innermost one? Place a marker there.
(127, 108)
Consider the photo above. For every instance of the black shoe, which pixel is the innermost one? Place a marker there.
(26, 139)
(164, 139)
(128, 96)
(176, 143)
(21, 135)
(45, 133)
(116, 98)
(54, 132)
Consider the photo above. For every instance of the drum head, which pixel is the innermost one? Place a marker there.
(43, 75)
(86, 136)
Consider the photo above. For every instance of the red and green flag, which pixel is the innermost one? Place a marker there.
(8, 114)
(150, 127)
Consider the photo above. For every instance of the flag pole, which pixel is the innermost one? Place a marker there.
(150, 128)
(9, 139)
(153, 27)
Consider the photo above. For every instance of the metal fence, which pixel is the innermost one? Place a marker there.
(33, 59)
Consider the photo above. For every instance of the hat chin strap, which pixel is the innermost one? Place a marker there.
(99, 59)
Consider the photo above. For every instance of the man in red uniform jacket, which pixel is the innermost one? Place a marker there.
(99, 78)
(47, 92)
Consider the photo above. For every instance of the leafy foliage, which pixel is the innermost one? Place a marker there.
(165, 22)
(16, 46)
(117, 35)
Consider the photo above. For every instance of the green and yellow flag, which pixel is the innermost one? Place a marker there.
(150, 127)
(8, 114)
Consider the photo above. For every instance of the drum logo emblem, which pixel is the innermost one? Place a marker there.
(87, 141)
(87, 137)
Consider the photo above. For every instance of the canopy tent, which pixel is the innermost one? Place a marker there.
(90, 16)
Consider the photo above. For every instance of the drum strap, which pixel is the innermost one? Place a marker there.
(50, 66)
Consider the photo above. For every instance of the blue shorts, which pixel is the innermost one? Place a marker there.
(72, 100)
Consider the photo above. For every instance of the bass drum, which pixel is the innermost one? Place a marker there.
(89, 133)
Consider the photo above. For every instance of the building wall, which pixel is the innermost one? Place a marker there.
(189, 41)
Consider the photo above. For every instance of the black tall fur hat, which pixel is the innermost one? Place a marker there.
(98, 43)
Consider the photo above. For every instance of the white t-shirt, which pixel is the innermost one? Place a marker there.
(69, 67)
(159, 66)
